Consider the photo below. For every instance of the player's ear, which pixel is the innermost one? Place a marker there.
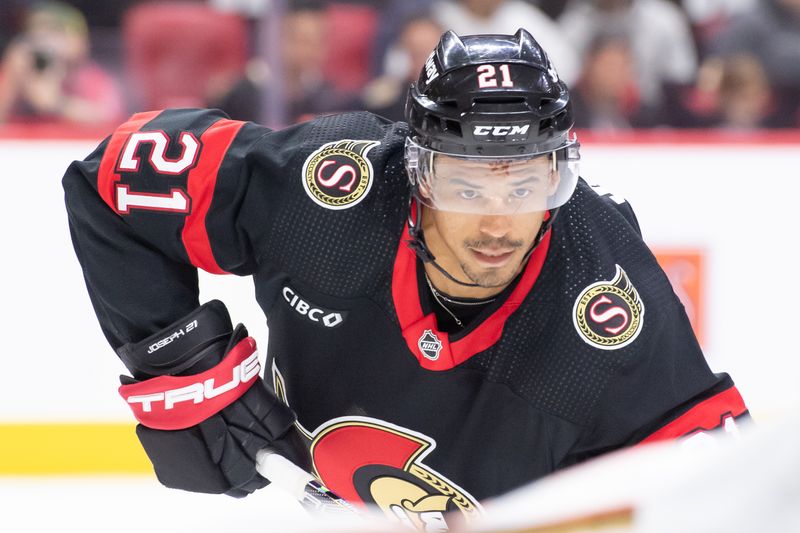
(424, 190)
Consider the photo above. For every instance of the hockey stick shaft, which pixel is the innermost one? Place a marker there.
(301, 485)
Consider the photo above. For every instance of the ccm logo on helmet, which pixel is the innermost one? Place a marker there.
(329, 319)
(501, 131)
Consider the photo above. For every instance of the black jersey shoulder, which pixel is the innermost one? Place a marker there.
(545, 355)
(315, 233)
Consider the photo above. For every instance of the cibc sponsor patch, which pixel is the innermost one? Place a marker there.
(339, 175)
(609, 314)
(313, 313)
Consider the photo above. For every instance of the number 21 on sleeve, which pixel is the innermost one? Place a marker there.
(176, 201)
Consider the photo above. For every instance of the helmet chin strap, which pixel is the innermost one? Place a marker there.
(417, 242)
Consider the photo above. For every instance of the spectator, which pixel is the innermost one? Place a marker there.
(393, 16)
(708, 17)
(606, 96)
(386, 95)
(307, 92)
(663, 47)
(471, 17)
(734, 94)
(182, 54)
(47, 74)
(744, 94)
(771, 33)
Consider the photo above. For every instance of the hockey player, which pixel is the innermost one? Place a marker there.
(452, 311)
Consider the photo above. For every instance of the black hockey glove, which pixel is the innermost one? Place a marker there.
(203, 409)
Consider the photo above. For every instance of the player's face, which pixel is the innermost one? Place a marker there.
(488, 250)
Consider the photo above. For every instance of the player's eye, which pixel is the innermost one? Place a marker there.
(468, 194)
(521, 193)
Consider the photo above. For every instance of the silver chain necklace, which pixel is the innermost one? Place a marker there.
(439, 297)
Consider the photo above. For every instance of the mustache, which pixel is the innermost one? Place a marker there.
(502, 242)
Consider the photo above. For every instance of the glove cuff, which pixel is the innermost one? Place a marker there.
(180, 345)
(179, 402)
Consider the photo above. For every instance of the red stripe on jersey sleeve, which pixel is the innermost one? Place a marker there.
(706, 415)
(107, 176)
(201, 183)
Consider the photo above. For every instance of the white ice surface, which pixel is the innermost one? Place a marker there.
(749, 481)
(137, 504)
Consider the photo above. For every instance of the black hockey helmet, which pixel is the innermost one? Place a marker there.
(473, 82)
(490, 97)
(483, 103)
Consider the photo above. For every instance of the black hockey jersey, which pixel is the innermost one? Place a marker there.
(588, 351)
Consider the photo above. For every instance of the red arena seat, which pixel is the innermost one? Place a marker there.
(352, 31)
(179, 54)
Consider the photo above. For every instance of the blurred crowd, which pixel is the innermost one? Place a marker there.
(727, 64)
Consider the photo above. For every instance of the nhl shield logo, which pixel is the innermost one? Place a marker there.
(430, 345)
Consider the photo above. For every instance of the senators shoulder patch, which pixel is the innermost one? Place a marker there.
(609, 314)
(338, 175)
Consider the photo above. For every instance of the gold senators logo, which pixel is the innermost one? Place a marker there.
(338, 175)
(368, 461)
(609, 314)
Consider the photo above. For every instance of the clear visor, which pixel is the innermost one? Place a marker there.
(493, 185)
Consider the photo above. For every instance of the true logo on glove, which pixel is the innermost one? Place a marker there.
(198, 392)
(179, 402)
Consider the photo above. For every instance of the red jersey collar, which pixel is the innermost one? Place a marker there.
(433, 348)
